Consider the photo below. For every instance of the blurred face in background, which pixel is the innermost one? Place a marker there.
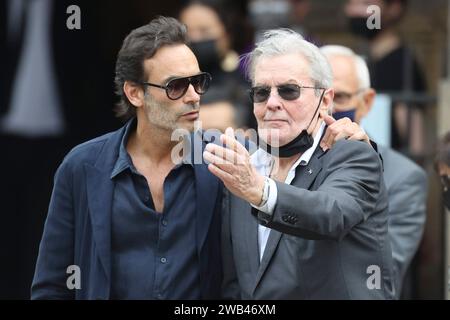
(299, 10)
(210, 40)
(358, 8)
(349, 98)
(356, 13)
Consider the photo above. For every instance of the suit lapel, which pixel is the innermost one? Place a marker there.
(272, 244)
(304, 177)
(206, 195)
(250, 226)
(100, 190)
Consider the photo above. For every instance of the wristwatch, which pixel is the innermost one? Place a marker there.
(265, 195)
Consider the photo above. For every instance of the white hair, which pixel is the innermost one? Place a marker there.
(362, 71)
(286, 41)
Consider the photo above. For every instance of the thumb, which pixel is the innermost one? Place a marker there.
(328, 119)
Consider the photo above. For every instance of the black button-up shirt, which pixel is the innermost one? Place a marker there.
(154, 255)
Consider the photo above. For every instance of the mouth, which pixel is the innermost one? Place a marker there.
(193, 115)
(275, 122)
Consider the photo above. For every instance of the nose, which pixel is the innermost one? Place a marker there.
(191, 96)
(273, 102)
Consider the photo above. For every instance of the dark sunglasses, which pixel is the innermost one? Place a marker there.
(288, 92)
(176, 88)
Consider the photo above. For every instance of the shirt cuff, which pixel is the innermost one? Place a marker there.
(269, 206)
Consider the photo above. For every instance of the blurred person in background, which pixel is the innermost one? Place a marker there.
(442, 162)
(298, 13)
(406, 182)
(393, 68)
(52, 96)
(299, 10)
(212, 29)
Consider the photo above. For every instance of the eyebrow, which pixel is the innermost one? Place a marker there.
(170, 78)
(289, 81)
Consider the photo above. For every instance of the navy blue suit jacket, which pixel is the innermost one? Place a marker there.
(78, 227)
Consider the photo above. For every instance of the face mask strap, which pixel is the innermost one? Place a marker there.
(317, 109)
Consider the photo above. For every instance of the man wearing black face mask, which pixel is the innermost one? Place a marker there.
(406, 182)
(443, 167)
(211, 39)
(393, 66)
(298, 222)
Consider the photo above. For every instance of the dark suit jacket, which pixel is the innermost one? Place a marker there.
(329, 233)
(78, 226)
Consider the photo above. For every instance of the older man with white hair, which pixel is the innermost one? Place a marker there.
(300, 222)
(406, 182)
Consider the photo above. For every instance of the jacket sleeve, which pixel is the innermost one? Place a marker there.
(56, 250)
(348, 193)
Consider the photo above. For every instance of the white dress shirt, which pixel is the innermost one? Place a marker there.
(262, 161)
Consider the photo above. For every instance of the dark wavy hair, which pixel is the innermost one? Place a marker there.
(142, 44)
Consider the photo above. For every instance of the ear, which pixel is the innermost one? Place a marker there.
(134, 93)
(327, 101)
(368, 99)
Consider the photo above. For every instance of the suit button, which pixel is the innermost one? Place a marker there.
(290, 219)
(164, 222)
(163, 260)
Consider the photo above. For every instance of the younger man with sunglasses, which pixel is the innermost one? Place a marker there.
(125, 221)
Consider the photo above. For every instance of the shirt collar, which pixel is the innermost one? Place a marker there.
(124, 161)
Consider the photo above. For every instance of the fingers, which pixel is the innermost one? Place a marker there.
(219, 173)
(230, 141)
(340, 129)
(329, 120)
(226, 154)
(360, 136)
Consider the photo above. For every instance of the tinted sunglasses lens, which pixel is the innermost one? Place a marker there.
(201, 83)
(289, 92)
(260, 94)
(177, 88)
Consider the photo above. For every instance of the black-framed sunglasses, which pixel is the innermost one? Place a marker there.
(176, 88)
(289, 91)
